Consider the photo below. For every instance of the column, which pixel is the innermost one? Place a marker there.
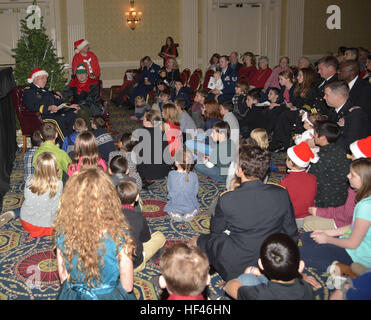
(189, 34)
(295, 30)
(76, 25)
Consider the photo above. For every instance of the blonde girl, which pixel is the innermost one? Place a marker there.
(94, 246)
(41, 197)
(86, 153)
(182, 187)
(261, 137)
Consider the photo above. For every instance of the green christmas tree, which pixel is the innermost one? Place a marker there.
(35, 49)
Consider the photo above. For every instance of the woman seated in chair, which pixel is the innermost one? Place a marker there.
(85, 93)
(172, 72)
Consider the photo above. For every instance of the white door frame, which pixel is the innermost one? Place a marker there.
(270, 29)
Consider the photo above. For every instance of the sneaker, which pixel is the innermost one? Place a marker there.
(6, 217)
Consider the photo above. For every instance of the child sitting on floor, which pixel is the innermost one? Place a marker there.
(165, 98)
(41, 197)
(182, 187)
(279, 276)
(140, 108)
(79, 126)
(185, 272)
(301, 186)
(147, 244)
(36, 142)
(86, 154)
(198, 107)
(216, 166)
(49, 135)
(94, 245)
(104, 139)
(126, 146)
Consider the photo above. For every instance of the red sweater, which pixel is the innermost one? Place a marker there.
(90, 61)
(302, 189)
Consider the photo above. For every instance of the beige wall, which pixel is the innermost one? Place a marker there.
(113, 41)
(355, 16)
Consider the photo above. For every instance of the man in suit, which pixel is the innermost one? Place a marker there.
(351, 119)
(360, 90)
(229, 78)
(148, 81)
(246, 216)
(234, 63)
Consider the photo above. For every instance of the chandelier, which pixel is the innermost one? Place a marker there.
(132, 16)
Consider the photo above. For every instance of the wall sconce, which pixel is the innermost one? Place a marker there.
(132, 16)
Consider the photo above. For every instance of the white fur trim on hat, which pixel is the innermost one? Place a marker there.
(356, 150)
(81, 46)
(37, 74)
(295, 159)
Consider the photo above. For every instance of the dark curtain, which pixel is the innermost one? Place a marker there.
(8, 143)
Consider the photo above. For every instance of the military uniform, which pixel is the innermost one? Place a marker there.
(229, 79)
(243, 219)
(354, 124)
(151, 74)
(38, 100)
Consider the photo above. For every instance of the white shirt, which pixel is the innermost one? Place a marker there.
(351, 84)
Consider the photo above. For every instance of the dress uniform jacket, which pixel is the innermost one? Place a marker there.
(151, 74)
(360, 94)
(319, 102)
(243, 219)
(229, 79)
(38, 100)
(353, 123)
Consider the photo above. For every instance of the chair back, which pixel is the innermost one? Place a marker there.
(28, 120)
(209, 73)
(194, 82)
(185, 75)
(199, 72)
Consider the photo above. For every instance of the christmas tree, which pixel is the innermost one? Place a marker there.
(35, 49)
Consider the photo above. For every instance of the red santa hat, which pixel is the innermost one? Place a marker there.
(36, 73)
(361, 148)
(79, 44)
(302, 155)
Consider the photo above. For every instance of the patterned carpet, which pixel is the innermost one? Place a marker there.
(28, 269)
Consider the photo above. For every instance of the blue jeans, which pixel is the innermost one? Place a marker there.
(321, 256)
(199, 146)
(213, 172)
(251, 280)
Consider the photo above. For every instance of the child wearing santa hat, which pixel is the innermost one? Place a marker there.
(301, 186)
(84, 56)
(337, 217)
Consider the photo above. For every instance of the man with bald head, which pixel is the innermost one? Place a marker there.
(360, 90)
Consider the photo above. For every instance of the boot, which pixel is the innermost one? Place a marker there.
(6, 217)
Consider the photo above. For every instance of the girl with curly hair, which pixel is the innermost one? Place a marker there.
(94, 246)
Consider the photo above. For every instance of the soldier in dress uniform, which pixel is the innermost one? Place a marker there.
(229, 78)
(246, 216)
(351, 119)
(150, 75)
(37, 99)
